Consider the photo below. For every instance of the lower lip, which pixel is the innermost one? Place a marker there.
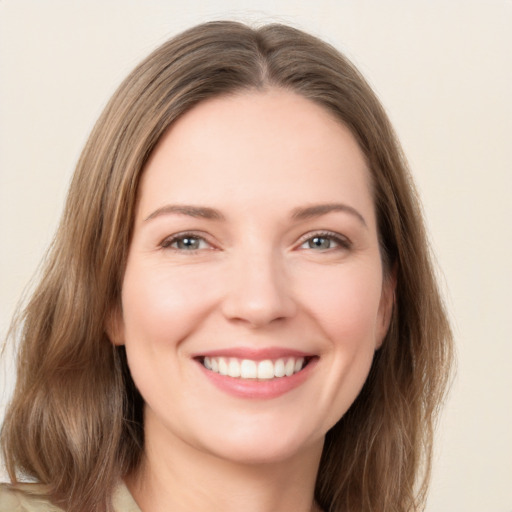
(262, 389)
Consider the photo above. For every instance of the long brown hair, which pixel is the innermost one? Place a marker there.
(75, 420)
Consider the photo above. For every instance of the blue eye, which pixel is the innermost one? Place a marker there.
(320, 242)
(185, 242)
(188, 243)
(325, 242)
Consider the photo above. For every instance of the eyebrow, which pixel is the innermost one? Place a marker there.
(202, 212)
(318, 210)
(301, 213)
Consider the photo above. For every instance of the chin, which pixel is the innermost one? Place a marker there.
(256, 456)
(264, 446)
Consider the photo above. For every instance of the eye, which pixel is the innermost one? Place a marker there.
(186, 242)
(324, 242)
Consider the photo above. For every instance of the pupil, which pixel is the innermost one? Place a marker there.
(320, 242)
(188, 243)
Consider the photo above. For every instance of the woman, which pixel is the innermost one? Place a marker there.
(239, 309)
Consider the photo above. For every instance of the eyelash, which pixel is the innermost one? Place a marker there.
(168, 242)
(341, 241)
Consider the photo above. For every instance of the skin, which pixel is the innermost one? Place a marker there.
(253, 277)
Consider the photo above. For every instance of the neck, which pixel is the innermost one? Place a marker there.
(182, 478)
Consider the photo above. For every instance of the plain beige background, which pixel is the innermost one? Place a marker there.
(443, 70)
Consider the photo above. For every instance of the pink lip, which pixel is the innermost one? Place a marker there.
(256, 354)
(258, 389)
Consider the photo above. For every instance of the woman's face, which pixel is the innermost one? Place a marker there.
(253, 298)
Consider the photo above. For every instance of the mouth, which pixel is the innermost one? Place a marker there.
(251, 369)
(263, 373)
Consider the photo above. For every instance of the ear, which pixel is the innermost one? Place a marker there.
(114, 326)
(386, 306)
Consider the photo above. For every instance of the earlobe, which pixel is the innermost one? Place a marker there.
(114, 326)
(386, 307)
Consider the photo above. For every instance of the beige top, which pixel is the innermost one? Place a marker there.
(22, 499)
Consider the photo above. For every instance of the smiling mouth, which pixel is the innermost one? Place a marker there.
(266, 369)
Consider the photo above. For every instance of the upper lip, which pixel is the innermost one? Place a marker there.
(255, 354)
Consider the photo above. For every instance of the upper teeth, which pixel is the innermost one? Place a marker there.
(249, 369)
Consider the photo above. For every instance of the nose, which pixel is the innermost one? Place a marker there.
(259, 291)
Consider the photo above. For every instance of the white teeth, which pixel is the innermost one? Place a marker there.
(223, 366)
(265, 369)
(234, 368)
(279, 370)
(289, 367)
(249, 369)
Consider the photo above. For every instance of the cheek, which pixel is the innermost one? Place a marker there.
(162, 305)
(345, 306)
(345, 302)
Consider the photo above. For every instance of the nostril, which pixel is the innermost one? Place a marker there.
(258, 296)
(258, 313)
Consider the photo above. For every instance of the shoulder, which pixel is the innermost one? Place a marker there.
(24, 498)
(30, 498)
(123, 500)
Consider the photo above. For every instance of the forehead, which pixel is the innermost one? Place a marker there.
(271, 146)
